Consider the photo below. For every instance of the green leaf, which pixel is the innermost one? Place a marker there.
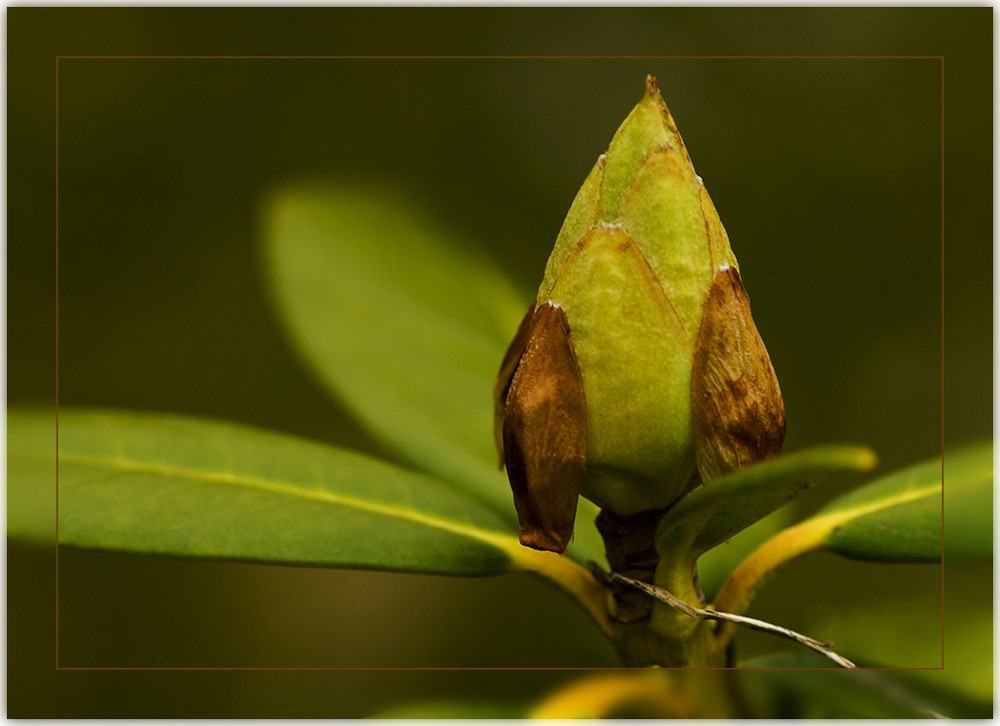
(172, 485)
(894, 519)
(180, 486)
(31, 475)
(404, 323)
(968, 504)
(401, 321)
(712, 514)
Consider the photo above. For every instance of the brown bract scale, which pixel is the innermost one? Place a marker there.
(739, 416)
(545, 432)
(507, 368)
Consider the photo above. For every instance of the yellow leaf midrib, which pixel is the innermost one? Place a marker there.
(560, 570)
(740, 587)
(124, 464)
(826, 522)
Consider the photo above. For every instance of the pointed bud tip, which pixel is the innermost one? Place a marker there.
(653, 95)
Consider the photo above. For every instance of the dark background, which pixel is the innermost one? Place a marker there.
(826, 172)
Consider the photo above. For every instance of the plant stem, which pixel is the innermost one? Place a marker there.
(752, 623)
(646, 637)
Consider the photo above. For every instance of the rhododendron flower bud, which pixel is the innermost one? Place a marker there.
(638, 363)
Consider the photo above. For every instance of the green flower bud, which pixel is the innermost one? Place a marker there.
(639, 361)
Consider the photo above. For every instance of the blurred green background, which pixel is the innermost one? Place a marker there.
(826, 173)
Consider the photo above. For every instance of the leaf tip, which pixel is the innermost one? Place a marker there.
(866, 459)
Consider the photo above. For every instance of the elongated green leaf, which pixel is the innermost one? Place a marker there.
(894, 519)
(712, 514)
(898, 517)
(179, 486)
(406, 325)
(399, 320)
(968, 504)
(31, 475)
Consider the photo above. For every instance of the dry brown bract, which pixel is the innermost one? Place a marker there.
(739, 416)
(545, 431)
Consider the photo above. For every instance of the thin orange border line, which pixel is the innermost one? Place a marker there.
(499, 57)
(942, 363)
(57, 363)
(479, 57)
(470, 668)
